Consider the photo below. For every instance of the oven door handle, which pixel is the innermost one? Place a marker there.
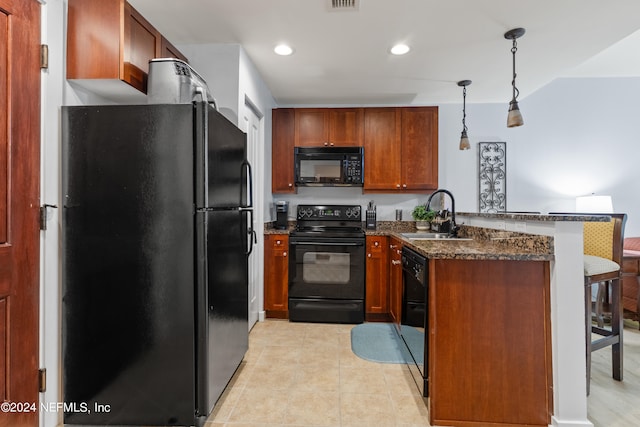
(327, 243)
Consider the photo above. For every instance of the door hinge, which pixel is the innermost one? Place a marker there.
(44, 216)
(42, 380)
(44, 56)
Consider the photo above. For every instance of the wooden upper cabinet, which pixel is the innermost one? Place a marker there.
(108, 40)
(329, 127)
(311, 127)
(346, 127)
(382, 153)
(419, 148)
(141, 43)
(401, 149)
(282, 162)
(93, 39)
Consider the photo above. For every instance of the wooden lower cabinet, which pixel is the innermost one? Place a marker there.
(395, 280)
(276, 276)
(377, 278)
(489, 343)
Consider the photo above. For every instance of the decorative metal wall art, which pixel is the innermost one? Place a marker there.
(492, 178)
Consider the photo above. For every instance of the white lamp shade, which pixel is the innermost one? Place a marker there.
(594, 204)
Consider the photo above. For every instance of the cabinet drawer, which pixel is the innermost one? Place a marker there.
(376, 244)
(278, 242)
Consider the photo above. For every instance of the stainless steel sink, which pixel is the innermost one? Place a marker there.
(431, 236)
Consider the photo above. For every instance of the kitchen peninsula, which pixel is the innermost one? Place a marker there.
(506, 332)
(488, 343)
(566, 303)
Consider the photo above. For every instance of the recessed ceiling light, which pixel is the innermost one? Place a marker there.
(283, 49)
(400, 49)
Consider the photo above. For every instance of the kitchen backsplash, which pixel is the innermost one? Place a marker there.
(386, 203)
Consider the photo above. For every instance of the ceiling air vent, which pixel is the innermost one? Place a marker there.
(340, 5)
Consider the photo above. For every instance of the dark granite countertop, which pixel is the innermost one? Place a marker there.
(485, 243)
(523, 216)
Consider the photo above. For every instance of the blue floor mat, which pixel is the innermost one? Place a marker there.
(379, 342)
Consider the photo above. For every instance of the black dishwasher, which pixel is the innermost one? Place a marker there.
(414, 319)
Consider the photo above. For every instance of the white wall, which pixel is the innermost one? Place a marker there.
(579, 138)
(218, 65)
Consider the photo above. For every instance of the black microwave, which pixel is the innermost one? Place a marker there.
(329, 166)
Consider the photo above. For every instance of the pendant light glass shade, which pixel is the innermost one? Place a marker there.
(514, 118)
(464, 139)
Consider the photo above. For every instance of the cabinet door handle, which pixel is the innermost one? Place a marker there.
(278, 242)
(397, 185)
(404, 185)
(376, 243)
(284, 253)
(331, 144)
(290, 185)
(369, 255)
(393, 246)
(326, 143)
(394, 262)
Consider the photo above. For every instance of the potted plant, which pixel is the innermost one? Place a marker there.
(422, 216)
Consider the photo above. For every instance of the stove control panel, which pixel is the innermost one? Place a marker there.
(330, 212)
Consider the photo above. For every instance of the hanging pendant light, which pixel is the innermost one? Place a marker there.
(464, 139)
(515, 117)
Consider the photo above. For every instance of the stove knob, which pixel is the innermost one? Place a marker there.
(353, 212)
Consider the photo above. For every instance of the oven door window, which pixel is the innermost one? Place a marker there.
(326, 268)
(329, 270)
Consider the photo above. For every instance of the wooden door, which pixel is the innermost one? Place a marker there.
(382, 149)
(19, 207)
(252, 125)
(419, 148)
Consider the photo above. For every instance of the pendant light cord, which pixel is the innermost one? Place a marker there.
(464, 108)
(516, 92)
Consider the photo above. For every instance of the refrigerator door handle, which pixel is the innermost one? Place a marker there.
(251, 233)
(246, 164)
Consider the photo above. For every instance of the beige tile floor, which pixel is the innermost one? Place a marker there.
(305, 374)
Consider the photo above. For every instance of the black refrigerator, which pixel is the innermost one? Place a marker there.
(157, 216)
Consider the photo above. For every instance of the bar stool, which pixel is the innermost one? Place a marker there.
(602, 267)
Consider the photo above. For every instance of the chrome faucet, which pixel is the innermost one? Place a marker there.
(454, 228)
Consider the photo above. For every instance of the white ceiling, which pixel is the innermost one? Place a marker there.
(342, 57)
